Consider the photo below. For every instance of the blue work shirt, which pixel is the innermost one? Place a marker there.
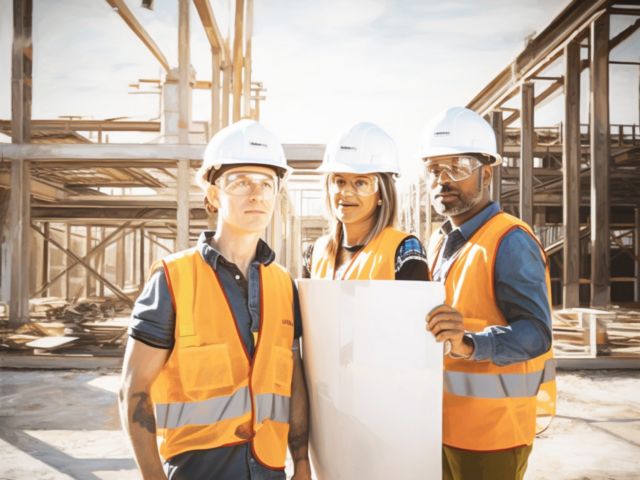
(153, 323)
(520, 288)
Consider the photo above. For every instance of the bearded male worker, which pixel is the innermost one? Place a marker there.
(499, 372)
(213, 364)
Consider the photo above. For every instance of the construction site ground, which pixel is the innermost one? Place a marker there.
(64, 424)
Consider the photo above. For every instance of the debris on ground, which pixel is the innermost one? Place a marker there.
(97, 325)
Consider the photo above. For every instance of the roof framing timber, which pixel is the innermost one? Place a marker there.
(131, 20)
(541, 52)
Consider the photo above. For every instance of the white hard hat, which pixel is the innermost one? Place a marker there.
(363, 148)
(459, 130)
(243, 143)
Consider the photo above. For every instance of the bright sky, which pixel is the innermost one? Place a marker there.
(325, 63)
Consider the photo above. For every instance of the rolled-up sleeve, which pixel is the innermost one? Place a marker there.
(522, 297)
(153, 315)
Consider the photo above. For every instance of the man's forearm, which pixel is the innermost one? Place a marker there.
(136, 412)
(299, 421)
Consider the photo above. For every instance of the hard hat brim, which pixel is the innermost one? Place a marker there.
(349, 168)
(435, 152)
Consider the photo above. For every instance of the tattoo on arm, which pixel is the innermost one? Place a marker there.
(143, 412)
(298, 444)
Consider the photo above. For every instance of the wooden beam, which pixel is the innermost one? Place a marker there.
(19, 208)
(599, 131)
(21, 71)
(56, 125)
(227, 73)
(526, 153)
(208, 19)
(184, 65)
(636, 249)
(238, 38)
(216, 90)
(88, 244)
(246, 86)
(120, 260)
(496, 179)
(571, 177)
(98, 249)
(119, 293)
(142, 259)
(130, 19)
(45, 259)
(556, 87)
(541, 51)
(99, 154)
(182, 213)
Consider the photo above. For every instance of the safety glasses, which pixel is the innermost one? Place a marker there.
(457, 168)
(362, 185)
(247, 183)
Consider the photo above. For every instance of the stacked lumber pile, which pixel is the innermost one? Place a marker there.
(586, 332)
(97, 326)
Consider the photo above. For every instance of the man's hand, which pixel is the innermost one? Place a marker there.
(446, 324)
(301, 470)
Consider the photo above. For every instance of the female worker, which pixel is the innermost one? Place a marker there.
(360, 197)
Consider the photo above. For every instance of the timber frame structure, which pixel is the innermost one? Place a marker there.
(82, 217)
(577, 185)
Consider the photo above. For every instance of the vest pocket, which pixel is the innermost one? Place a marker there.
(207, 367)
(282, 369)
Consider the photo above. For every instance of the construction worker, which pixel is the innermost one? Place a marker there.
(360, 197)
(496, 318)
(214, 339)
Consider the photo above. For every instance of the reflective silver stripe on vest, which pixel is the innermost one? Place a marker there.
(502, 385)
(272, 406)
(205, 412)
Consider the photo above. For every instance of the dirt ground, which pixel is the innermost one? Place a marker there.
(64, 424)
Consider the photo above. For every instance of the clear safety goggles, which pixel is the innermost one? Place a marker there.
(247, 183)
(457, 168)
(362, 185)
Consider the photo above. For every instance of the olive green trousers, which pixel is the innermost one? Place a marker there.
(467, 465)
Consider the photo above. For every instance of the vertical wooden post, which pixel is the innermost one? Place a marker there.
(21, 70)
(526, 152)
(599, 149)
(19, 225)
(143, 267)
(183, 72)
(88, 281)
(215, 93)
(496, 180)
(571, 177)
(183, 179)
(66, 284)
(101, 262)
(246, 86)
(636, 246)
(238, 38)
(134, 257)
(120, 259)
(227, 72)
(45, 258)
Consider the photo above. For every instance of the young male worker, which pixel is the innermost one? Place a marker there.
(213, 365)
(500, 372)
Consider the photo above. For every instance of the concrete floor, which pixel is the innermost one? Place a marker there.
(61, 425)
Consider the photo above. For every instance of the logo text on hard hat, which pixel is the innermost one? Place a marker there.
(442, 133)
(346, 147)
(256, 144)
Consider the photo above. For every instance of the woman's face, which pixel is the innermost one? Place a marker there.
(353, 197)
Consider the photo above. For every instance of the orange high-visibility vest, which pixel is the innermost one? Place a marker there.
(487, 407)
(376, 260)
(210, 393)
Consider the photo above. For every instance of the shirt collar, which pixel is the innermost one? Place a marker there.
(211, 255)
(468, 228)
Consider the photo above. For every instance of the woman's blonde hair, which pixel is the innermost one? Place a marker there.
(385, 213)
